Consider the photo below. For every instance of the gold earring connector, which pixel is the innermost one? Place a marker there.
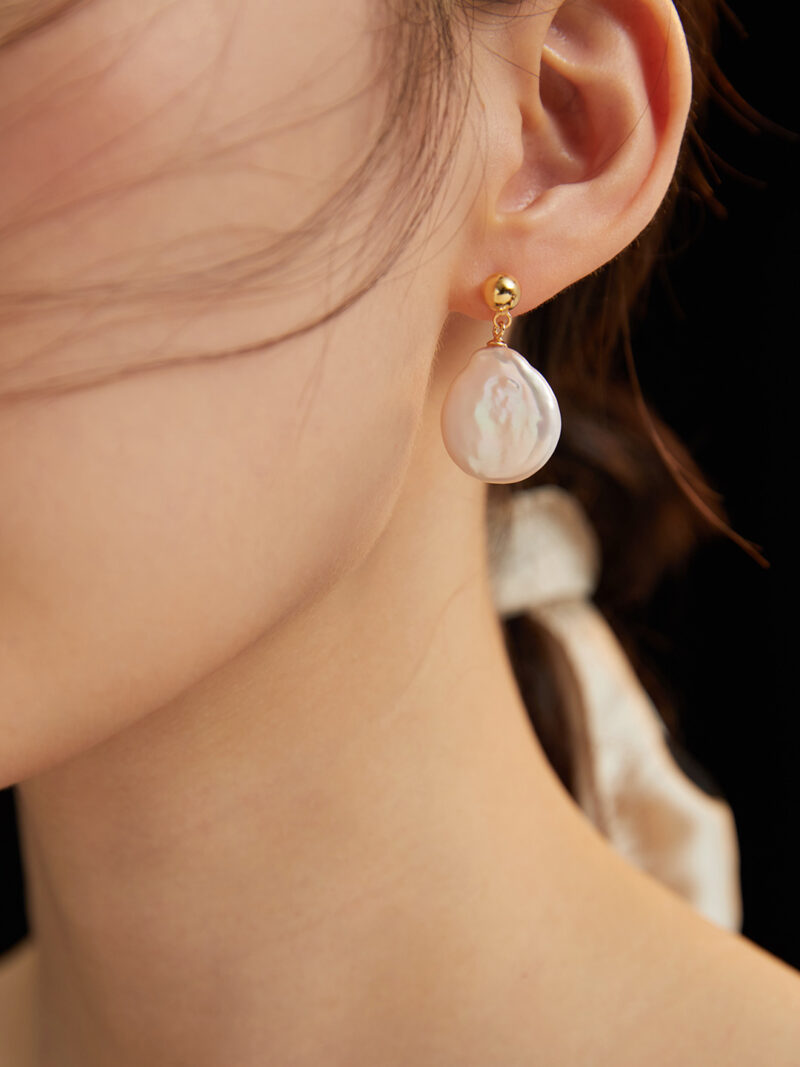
(501, 292)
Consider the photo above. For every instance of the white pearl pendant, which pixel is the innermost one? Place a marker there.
(500, 419)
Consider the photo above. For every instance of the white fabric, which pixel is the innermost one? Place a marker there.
(547, 564)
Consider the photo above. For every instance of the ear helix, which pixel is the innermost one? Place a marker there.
(500, 419)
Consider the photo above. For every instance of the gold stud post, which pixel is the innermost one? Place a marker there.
(501, 292)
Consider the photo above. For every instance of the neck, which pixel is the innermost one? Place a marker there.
(340, 833)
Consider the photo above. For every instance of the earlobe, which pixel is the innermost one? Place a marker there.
(598, 130)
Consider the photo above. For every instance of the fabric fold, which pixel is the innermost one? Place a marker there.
(546, 563)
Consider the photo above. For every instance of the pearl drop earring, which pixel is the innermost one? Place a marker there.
(500, 419)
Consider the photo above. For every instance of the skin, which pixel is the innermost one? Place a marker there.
(280, 796)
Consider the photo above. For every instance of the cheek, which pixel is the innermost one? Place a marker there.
(133, 135)
(152, 529)
(96, 99)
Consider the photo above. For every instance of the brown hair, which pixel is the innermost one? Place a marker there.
(649, 503)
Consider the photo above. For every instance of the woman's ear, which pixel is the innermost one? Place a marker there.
(584, 105)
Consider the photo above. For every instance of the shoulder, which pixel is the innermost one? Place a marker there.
(17, 969)
(752, 999)
(695, 993)
(637, 975)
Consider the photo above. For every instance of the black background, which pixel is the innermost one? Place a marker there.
(714, 357)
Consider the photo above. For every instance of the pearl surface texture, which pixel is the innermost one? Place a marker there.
(500, 419)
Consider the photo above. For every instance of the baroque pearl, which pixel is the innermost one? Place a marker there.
(500, 419)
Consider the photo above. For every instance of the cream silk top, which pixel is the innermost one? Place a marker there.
(628, 783)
